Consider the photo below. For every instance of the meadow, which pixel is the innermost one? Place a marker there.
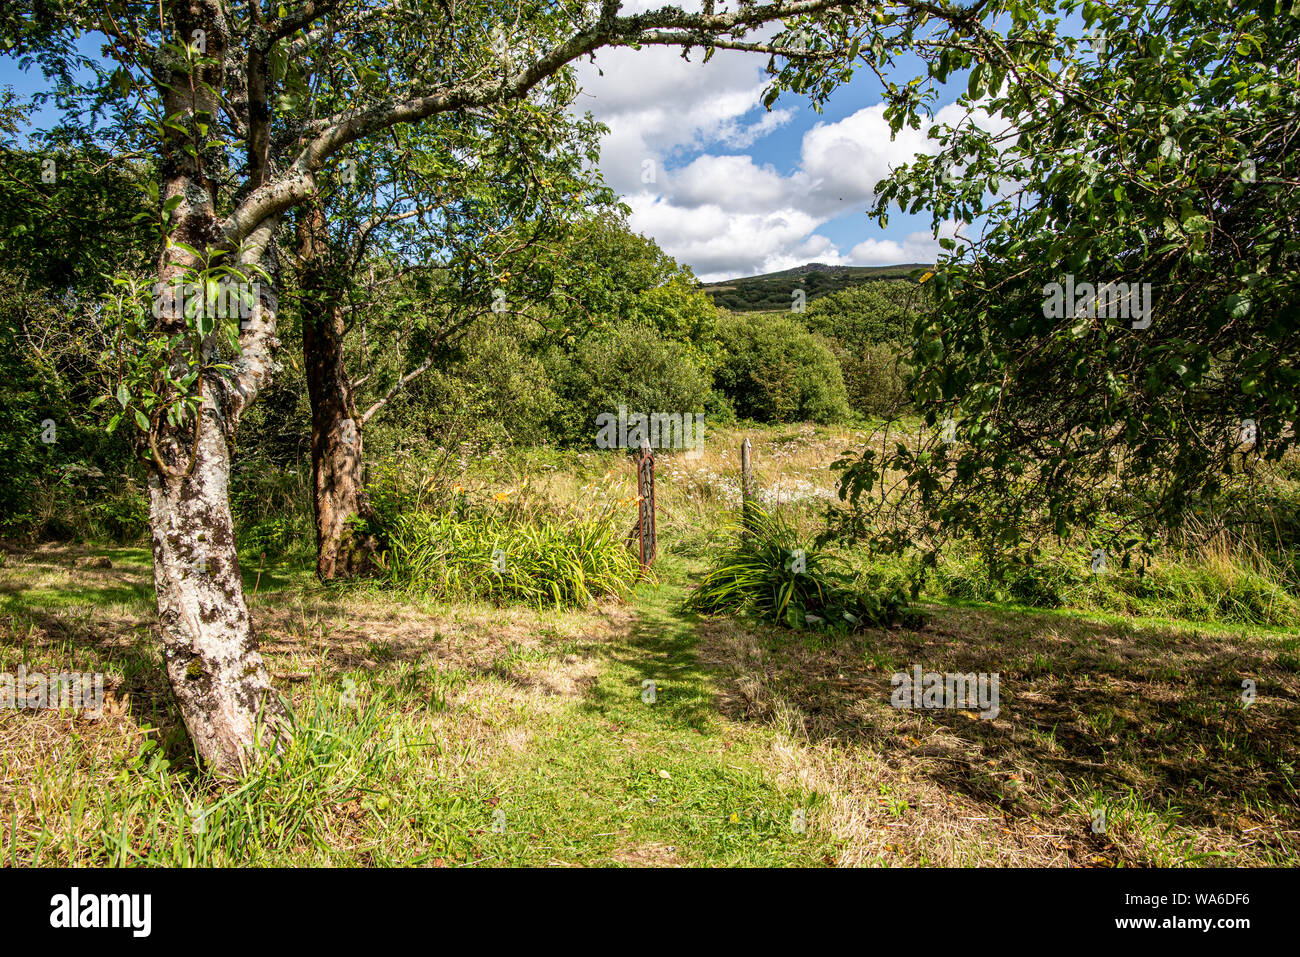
(567, 713)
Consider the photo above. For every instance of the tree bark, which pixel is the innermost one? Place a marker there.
(343, 548)
(216, 671)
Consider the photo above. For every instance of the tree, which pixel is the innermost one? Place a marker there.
(65, 226)
(884, 310)
(1157, 151)
(452, 198)
(220, 95)
(775, 370)
(868, 328)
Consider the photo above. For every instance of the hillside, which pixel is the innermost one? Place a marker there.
(773, 290)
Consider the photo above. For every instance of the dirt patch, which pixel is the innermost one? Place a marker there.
(648, 855)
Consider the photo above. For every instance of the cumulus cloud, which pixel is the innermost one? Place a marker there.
(917, 247)
(658, 107)
(676, 152)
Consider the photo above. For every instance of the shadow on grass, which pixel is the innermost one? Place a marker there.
(1144, 716)
(126, 653)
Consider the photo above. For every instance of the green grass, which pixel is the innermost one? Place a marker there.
(389, 767)
(549, 561)
(1196, 586)
(448, 720)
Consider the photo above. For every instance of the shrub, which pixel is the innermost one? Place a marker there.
(774, 370)
(870, 314)
(272, 508)
(629, 365)
(555, 562)
(875, 378)
(868, 328)
(768, 576)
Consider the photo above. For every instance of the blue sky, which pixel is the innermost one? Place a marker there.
(723, 185)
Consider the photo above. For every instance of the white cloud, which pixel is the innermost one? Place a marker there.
(715, 208)
(918, 247)
(658, 105)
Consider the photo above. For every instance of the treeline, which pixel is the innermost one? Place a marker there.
(618, 323)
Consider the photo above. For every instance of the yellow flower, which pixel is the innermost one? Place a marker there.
(735, 818)
(501, 496)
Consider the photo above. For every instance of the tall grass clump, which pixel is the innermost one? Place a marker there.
(550, 561)
(291, 809)
(1209, 582)
(770, 576)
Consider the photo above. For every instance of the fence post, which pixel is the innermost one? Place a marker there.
(645, 487)
(746, 484)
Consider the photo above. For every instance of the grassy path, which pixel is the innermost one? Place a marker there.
(626, 779)
(467, 737)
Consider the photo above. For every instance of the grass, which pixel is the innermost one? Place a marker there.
(418, 723)
(549, 561)
(1142, 720)
(769, 576)
(1212, 584)
(458, 730)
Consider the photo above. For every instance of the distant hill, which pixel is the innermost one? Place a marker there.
(773, 290)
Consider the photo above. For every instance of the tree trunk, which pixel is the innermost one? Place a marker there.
(216, 672)
(343, 548)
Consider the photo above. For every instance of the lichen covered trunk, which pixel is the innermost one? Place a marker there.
(344, 549)
(216, 671)
(220, 682)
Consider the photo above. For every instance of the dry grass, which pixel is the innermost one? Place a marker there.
(463, 709)
(1144, 722)
(472, 684)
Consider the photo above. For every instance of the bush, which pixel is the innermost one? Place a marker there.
(870, 314)
(629, 365)
(868, 329)
(768, 576)
(875, 378)
(272, 508)
(774, 370)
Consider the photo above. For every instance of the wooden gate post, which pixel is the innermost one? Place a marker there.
(746, 484)
(645, 487)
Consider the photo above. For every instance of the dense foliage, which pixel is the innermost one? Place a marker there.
(776, 290)
(770, 575)
(1158, 151)
(775, 370)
